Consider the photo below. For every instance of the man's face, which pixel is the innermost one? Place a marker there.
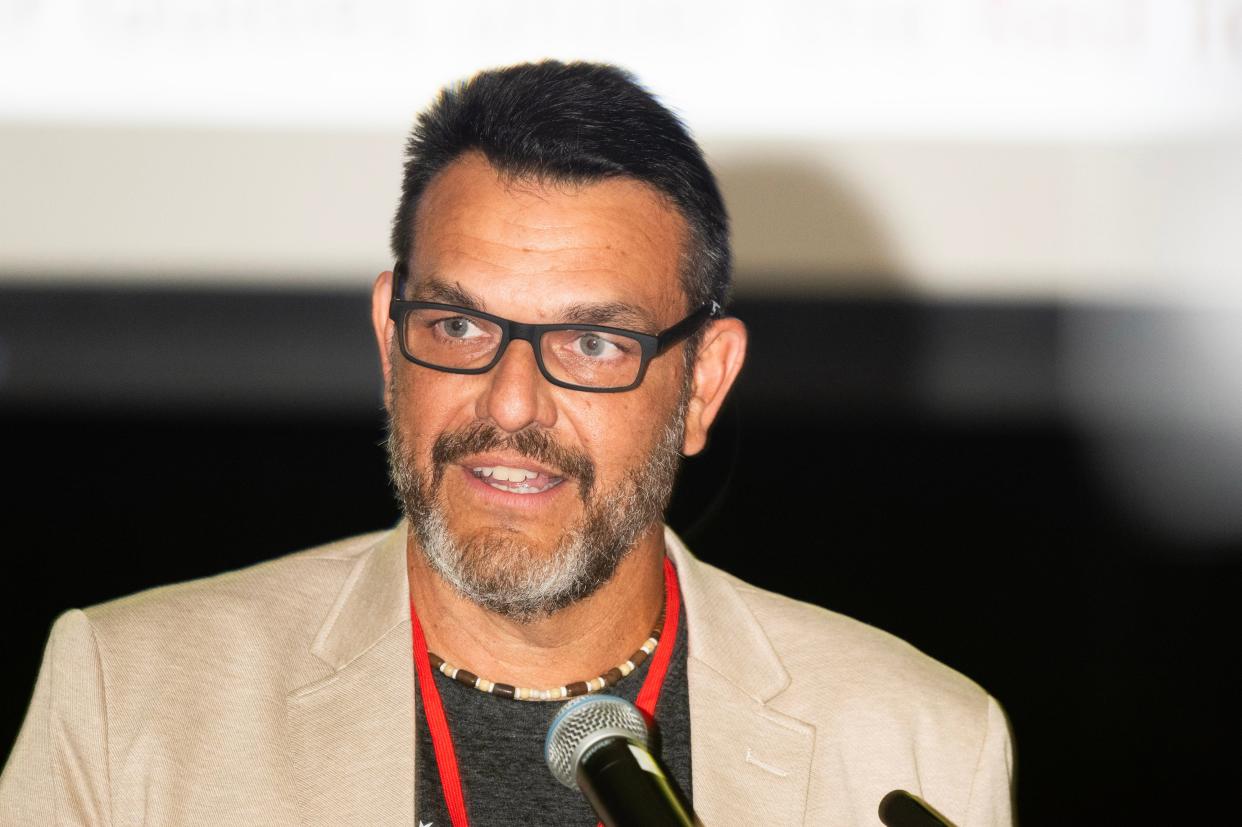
(463, 448)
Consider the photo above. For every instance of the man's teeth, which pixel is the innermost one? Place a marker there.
(515, 480)
(503, 473)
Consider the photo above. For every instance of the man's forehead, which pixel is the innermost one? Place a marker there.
(471, 187)
(619, 235)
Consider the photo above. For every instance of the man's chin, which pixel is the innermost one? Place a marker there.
(507, 571)
(498, 551)
(508, 538)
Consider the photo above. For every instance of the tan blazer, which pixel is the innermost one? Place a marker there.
(283, 694)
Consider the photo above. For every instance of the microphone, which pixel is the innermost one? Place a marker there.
(901, 809)
(599, 744)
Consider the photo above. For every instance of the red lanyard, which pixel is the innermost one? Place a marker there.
(437, 723)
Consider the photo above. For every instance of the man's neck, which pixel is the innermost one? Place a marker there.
(576, 643)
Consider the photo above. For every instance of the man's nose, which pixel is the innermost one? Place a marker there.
(517, 394)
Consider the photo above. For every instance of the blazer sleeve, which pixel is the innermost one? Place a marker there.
(57, 772)
(991, 791)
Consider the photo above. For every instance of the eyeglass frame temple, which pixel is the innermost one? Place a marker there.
(688, 326)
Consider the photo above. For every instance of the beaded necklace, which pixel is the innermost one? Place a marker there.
(560, 693)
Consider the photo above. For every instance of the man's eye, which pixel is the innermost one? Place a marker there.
(458, 327)
(597, 347)
(591, 345)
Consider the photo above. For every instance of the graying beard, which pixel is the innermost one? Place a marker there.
(585, 559)
(543, 587)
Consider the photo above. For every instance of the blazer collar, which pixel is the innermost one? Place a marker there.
(374, 599)
(751, 763)
(723, 634)
(351, 733)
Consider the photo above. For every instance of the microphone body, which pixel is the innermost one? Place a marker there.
(598, 743)
(902, 809)
(623, 792)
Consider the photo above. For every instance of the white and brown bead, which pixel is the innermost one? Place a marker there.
(560, 693)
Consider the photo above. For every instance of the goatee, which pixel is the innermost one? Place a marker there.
(500, 569)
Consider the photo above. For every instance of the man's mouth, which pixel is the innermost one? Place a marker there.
(516, 480)
(526, 462)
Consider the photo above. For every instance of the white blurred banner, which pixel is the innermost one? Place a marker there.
(1079, 148)
(985, 68)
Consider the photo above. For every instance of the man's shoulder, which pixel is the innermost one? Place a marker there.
(814, 639)
(835, 662)
(276, 600)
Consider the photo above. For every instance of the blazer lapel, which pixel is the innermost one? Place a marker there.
(351, 734)
(750, 762)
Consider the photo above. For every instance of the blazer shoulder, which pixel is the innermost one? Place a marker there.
(287, 595)
(826, 652)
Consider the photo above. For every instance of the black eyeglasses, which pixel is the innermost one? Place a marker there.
(584, 357)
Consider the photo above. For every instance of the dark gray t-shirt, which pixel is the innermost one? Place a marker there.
(499, 745)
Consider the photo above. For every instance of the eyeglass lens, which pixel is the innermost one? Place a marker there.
(456, 340)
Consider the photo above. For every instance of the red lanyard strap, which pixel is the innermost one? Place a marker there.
(649, 695)
(441, 740)
(437, 723)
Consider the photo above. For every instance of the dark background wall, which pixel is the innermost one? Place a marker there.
(911, 463)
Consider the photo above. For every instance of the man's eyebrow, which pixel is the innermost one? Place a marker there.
(431, 289)
(608, 314)
(611, 314)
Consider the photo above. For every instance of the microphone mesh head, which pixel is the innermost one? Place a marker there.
(586, 721)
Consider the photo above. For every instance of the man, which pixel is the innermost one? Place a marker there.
(551, 338)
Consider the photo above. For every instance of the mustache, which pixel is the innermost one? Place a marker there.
(480, 437)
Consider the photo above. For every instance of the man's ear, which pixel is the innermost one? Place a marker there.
(381, 297)
(719, 360)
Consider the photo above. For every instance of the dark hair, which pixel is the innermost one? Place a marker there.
(578, 123)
